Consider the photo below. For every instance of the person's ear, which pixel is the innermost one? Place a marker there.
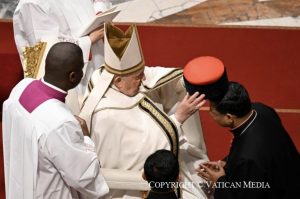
(72, 76)
(229, 119)
(144, 176)
(118, 81)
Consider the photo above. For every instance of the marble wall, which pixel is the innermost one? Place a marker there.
(131, 10)
(7, 8)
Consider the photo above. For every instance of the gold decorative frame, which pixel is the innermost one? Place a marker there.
(32, 59)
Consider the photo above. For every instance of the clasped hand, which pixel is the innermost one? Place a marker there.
(83, 125)
(211, 171)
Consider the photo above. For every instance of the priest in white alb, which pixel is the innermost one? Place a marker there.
(133, 110)
(36, 21)
(47, 154)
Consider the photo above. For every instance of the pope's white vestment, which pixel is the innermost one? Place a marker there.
(45, 153)
(41, 20)
(126, 130)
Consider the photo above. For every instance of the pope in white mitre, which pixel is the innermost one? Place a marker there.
(134, 110)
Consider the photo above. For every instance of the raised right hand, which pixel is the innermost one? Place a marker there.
(188, 106)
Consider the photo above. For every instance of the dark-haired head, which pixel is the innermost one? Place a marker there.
(64, 65)
(236, 103)
(161, 166)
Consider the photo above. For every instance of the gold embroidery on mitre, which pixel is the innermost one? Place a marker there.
(133, 69)
(120, 42)
(164, 121)
(32, 59)
(117, 39)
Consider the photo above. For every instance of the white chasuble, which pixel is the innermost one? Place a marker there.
(126, 130)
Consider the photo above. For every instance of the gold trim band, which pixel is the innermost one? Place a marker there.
(164, 121)
(126, 71)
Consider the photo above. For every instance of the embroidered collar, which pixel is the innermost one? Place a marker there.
(37, 93)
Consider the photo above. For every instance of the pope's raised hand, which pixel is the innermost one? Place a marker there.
(188, 106)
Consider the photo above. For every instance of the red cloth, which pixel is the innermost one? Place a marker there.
(203, 70)
(11, 73)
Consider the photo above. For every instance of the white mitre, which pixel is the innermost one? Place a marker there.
(122, 56)
(122, 50)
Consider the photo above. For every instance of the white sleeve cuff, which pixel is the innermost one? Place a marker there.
(182, 139)
(125, 179)
(173, 118)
